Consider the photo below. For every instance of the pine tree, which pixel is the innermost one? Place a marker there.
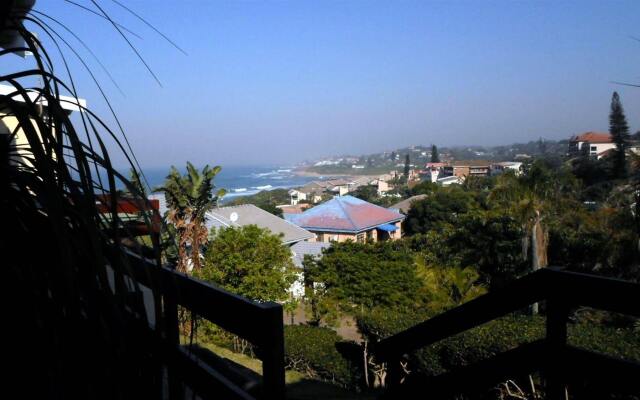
(619, 130)
(435, 157)
(542, 146)
(407, 166)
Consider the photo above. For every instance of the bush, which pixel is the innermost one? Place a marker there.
(315, 352)
(494, 338)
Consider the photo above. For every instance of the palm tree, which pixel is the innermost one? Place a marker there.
(532, 198)
(189, 197)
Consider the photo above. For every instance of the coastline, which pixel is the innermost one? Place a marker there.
(307, 173)
(310, 174)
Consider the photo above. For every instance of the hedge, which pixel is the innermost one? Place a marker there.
(494, 338)
(320, 353)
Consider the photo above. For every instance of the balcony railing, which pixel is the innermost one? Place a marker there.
(560, 363)
(261, 324)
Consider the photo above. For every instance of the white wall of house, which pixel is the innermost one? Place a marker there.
(435, 172)
(297, 196)
(383, 187)
(596, 148)
(297, 287)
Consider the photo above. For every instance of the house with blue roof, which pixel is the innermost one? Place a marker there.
(349, 218)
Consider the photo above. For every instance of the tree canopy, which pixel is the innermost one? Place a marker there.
(435, 157)
(619, 130)
(188, 198)
(251, 262)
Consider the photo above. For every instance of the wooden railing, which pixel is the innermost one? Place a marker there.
(261, 324)
(559, 362)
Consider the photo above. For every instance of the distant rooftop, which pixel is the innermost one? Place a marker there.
(593, 137)
(302, 249)
(404, 205)
(344, 214)
(471, 163)
(248, 214)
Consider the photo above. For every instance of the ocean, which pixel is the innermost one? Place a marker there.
(242, 180)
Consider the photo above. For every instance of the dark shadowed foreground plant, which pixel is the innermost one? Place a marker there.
(73, 317)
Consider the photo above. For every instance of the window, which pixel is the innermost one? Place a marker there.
(320, 237)
(594, 149)
(360, 238)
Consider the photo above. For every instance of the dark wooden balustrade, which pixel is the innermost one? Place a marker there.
(259, 323)
(559, 362)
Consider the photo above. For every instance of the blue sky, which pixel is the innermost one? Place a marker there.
(279, 82)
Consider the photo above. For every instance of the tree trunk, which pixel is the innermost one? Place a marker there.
(366, 364)
(195, 247)
(538, 250)
(182, 252)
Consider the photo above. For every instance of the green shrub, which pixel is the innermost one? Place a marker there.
(315, 352)
(494, 338)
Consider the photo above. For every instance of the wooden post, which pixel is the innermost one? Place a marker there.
(557, 314)
(394, 373)
(272, 350)
(172, 335)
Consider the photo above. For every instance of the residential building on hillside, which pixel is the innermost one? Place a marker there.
(435, 170)
(312, 192)
(382, 187)
(359, 182)
(500, 167)
(309, 193)
(591, 143)
(299, 251)
(248, 214)
(349, 218)
(450, 180)
(294, 209)
(468, 168)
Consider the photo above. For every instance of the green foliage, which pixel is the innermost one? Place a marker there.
(598, 242)
(407, 166)
(445, 206)
(314, 352)
(191, 193)
(138, 188)
(492, 242)
(447, 287)
(424, 187)
(493, 338)
(251, 262)
(367, 193)
(266, 200)
(435, 157)
(189, 197)
(368, 275)
(619, 130)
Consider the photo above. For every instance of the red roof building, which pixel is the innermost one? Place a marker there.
(349, 218)
(592, 143)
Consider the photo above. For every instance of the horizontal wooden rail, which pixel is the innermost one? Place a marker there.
(576, 289)
(259, 323)
(562, 291)
(476, 312)
(482, 375)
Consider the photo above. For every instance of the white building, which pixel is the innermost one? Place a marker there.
(597, 143)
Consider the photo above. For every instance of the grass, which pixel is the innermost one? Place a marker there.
(299, 386)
